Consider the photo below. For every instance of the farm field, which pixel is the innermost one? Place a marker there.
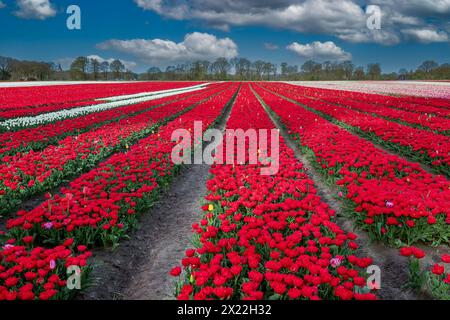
(345, 195)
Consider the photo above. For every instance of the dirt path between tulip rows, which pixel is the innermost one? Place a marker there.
(139, 268)
(393, 266)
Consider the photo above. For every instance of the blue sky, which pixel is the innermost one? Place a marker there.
(160, 32)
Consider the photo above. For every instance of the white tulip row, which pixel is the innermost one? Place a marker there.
(23, 122)
(144, 94)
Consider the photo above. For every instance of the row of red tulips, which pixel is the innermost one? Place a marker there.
(396, 201)
(433, 278)
(268, 237)
(426, 101)
(97, 208)
(428, 121)
(423, 146)
(28, 273)
(40, 137)
(24, 175)
(101, 205)
(43, 99)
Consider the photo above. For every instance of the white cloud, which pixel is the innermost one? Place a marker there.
(426, 35)
(320, 51)
(35, 9)
(128, 64)
(344, 19)
(2, 5)
(338, 17)
(195, 46)
(176, 11)
(419, 8)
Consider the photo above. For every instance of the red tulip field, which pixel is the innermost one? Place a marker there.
(344, 195)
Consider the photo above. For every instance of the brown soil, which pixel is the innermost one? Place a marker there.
(139, 268)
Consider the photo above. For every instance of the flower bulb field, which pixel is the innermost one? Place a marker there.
(347, 196)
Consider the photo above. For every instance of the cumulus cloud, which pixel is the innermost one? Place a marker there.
(320, 51)
(176, 10)
(195, 46)
(35, 9)
(418, 8)
(426, 35)
(344, 19)
(128, 64)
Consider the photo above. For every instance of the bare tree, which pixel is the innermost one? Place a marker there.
(348, 67)
(359, 73)
(29, 70)
(268, 69)
(242, 67)
(117, 67)
(284, 70)
(221, 67)
(79, 68)
(129, 75)
(182, 71)
(104, 69)
(374, 71)
(5, 68)
(428, 66)
(94, 68)
(170, 73)
(199, 69)
(259, 68)
(153, 73)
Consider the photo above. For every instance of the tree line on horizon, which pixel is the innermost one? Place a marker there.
(241, 69)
